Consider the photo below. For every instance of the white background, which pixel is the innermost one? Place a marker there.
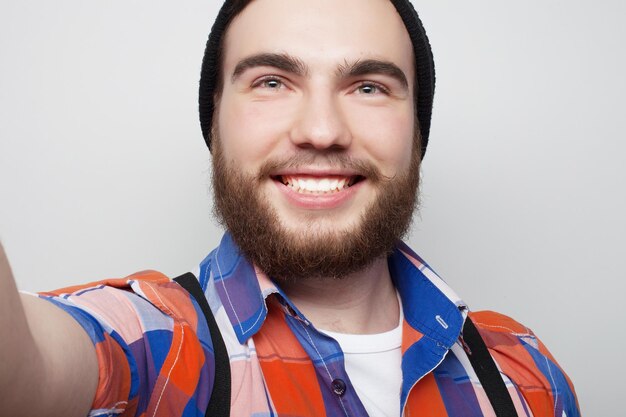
(103, 170)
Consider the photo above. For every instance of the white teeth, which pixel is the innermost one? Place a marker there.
(316, 185)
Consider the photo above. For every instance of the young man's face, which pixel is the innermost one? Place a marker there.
(315, 127)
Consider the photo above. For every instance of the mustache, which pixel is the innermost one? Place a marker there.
(332, 161)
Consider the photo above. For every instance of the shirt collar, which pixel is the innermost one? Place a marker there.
(430, 306)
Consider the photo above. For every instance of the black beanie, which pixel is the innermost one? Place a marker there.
(424, 66)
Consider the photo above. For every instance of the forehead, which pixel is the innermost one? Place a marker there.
(320, 32)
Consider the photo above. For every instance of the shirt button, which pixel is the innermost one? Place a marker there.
(339, 387)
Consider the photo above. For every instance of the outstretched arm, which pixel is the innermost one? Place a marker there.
(48, 365)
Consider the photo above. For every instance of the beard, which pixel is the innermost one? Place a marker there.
(312, 251)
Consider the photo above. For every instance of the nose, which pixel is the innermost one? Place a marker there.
(320, 123)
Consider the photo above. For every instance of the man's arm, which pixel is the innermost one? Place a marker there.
(48, 364)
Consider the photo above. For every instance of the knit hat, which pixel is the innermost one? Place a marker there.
(424, 65)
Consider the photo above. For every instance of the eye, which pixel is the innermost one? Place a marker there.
(369, 88)
(269, 83)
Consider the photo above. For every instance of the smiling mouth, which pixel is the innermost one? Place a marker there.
(306, 184)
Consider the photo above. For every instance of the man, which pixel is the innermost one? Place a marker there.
(317, 114)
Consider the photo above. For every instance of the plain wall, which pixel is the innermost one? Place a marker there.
(103, 170)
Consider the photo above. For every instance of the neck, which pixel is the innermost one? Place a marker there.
(361, 303)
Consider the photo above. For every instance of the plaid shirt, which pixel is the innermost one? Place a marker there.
(156, 357)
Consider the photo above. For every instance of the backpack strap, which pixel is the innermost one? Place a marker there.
(219, 404)
(487, 371)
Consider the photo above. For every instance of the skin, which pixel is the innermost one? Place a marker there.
(40, 348)
(292, 85)
(322, 110)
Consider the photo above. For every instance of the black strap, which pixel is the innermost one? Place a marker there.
(487, 371)
(219, 404)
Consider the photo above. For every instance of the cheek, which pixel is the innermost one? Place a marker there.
(249, 131)
(387, 135)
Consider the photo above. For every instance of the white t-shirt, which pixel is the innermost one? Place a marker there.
(373, 363)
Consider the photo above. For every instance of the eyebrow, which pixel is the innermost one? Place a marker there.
(293, 65)
(373, 66)
(283, 62)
